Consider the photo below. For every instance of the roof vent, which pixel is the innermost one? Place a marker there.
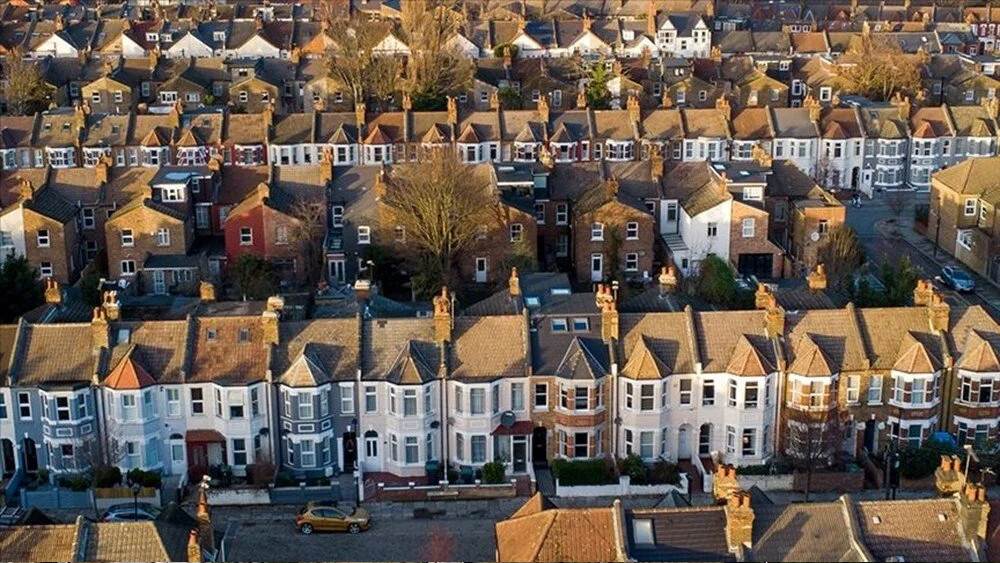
(876, 519)
(942, 517)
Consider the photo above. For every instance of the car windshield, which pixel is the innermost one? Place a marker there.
(960, 275)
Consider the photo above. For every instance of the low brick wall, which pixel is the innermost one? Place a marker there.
(822, 482)
(452, 492)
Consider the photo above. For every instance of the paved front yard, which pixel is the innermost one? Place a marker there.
(256, 538)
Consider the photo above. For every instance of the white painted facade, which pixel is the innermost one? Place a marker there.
(704, 234)
(55, 46)
(189, 46)
(12, 233)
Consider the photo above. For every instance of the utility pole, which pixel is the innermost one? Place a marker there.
(891, 470)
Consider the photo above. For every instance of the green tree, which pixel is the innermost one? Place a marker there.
(900, 279)
(21, 290)
(509, 98)
(26, 92)
(596, 91)
(716, 282)
(90, 287)
(841, 255)
(253, 277)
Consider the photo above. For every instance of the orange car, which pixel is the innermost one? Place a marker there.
(316, 517)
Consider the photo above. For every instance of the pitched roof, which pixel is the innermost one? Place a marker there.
(558, 535)
(980, 354)
(55, 354)
(836, 332)
(129, 374)
(803, 532)
(718, 335)
(643, 363)
(50, 204)
(330, 344)
(537, 503)
(974, 176)
(489, 347)
(54, 542)
(160, 347)
(914, 530)
(913, 357)
(227, 358)
(810, 359)
(681, 534)
(304, 371)
(585, 358)
(747, 360)
(394, 348)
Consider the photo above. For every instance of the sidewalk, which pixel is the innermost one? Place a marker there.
(987, 290)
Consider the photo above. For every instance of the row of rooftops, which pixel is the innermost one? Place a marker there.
(569, 335)
(67, 127)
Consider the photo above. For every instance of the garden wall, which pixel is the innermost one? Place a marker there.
(767, 482)
(238, 497)
(106, 497)
(453, 492)
(623, 488)
(56, 497)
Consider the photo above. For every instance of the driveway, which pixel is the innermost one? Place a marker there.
(253, 536)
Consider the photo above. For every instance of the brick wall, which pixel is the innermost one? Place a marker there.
(62, 249)
(144, 223)
(756, 244)
(615, 216)
(804, 222)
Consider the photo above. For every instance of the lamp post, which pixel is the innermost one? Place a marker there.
(937, 228)
(135, 499)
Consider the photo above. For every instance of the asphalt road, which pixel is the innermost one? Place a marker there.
(880, 248)
(252, 538)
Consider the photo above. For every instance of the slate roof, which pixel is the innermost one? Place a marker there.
(803, 532)
(160, 347)
(399, 349)
(55, 354)
(835, 331)
(890, 332)
(681, 534)
(912, 529)
(49, 203)
(489, 347)
(665, 335)
(226, 360)
(332, 344)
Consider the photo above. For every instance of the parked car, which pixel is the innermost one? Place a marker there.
(317, 517)
(957, 279)
(130, 512)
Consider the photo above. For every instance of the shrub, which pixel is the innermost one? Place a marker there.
(107, 476)
(284, 479)
(763, 469)
(634, 467)
(583, 472)
(921, 213)
(664, 473)
(716, 282)
(493, 472)
(918, 463)
(142, 478)
(76, 483)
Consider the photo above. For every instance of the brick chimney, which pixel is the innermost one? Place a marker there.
(651, 19)
(206, 291)
(725, 483)
(974, 510)
(100, 332)
(112, 308)
(267, 115)
(495, 100)
(667, 279)
(453, 111)
(762, 296)
(102, 169)
(634, 113)
(53, 294)
(206, 534)
(514, 283)
(508, 58)
(923, 293)
(948, 477)
(442, 317)
(193, 549)
(938, 312)
(817, 278)
(359, 117)
(992, 106)
(775, 317)
(175, 114)
(326, 167)
(655, 163)
(379, 186)
(407, 102)
(739, 522)
(270, 317)
(587, 22)
(581, 99)
(543, 108)
(722, 104)
(605, 301)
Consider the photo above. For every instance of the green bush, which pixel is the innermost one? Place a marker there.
(716, 282)
(498, 50)
(284, 479)
(635, 468)
(142, 478)
(917, 463)
(77, 483)
(664, 473)
(493, 472)
(107, 476)
(763, 469)
(583, 472)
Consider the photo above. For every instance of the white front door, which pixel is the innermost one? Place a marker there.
(178, 457)
(684, 443)
(596, 267)
(159, 284)
(482, 265)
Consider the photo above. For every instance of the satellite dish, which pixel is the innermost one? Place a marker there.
(814, 236)
(507, 419)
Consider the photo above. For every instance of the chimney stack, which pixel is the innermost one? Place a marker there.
(739, 522)
(938, 312)
(817, 278)
(634, 112)
(193, 549)
(102, 169)
(655, 163)
(206, 291)
(974, 510)
(581, 99)
(725, 483)
(53, 294)
(923, 293)
(722, 104)
(605, 301)
(379, 186)
(112, 308)
(948, 478)
(514, 283)
(543, 108)
(326, 167)
(359, 117)
(100, 332)
(495, 100)
(270, 317)
(442, 317)
(453, 111)
(667, 279)
(651, 19)
(206, 534)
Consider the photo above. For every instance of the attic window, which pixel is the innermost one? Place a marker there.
(115, 129)
(206, 122)
(580, 325)
(244, 335)
(559, 291)
(48, 126)
(642, 531)
(559, 325)
(532, 301)
(66, 126)
(211, 335)
(124, 335)
(876, 519)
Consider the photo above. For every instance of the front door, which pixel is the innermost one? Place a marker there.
(482, 264)
(705, 440)
(683, 444)
(7, 455)
(520, 453)
(670, 224)
(177, 459)
(159, 284)
(30, 455)
(596, 267)
(539, 456)
(336, 271)
(350, 451)
(197, 460)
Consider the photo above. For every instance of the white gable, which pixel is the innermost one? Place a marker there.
(635, 49)
(463, 45)
(391, 45)
(189, 46)
(589, 42)
(667, 25)
(130, 48)
(56, 46)
(257, 46)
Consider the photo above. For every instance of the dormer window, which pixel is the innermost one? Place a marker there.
(619, 150)
(244, 337)
(219, 36)
(152, 36)
(172, 194)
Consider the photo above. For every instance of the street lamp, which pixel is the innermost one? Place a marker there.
(135, 498)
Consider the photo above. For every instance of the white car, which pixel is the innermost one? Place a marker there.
(130, 512)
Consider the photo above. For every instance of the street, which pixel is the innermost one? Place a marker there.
(870, 223)
(269, 535)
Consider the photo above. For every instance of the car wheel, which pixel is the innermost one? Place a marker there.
(306, 529)
(354, 528)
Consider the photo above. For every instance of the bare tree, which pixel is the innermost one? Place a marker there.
(434, 68)
(26, 92)
(307, 234)
(879, 68)
(841, 254)
(439, 204)
(369, 77)
(896, 202)
(813, 446)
